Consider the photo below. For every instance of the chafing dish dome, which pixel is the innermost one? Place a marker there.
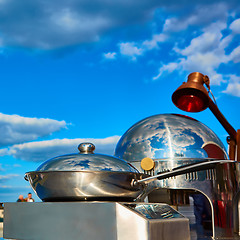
(171, 136)
(86, 160)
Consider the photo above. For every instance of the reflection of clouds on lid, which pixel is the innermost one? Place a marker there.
(86, 162)
(166, 136)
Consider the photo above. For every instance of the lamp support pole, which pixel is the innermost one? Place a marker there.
(232, 148)
(195, 87)
(234, 141)
(227, 126)
(238, 145)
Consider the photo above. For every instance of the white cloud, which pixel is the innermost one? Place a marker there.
(67, 20)
(202, 14)
(206, 42)
(204, 54)
(207, 51)
(43, 150)
(135, 49)
(110, 55)
(169, 68)
(131, 50)
(3, 151)
(16, 165)
(153, 43)
(171, 25)
(56, 24)
(17, 129)
(4, 178)
(72, 21)
(235, 55)
(235, 26)
(233, 87)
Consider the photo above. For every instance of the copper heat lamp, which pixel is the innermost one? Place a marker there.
(192, 96)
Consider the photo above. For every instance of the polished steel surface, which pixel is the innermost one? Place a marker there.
(154, 210)
(84, 185)
(147, 221)
(86, 148)
(220, 185)
(169, 136)
(93, 221)
(85, 176)
(86, 161)
(174, 141)
(60, 221)
(192, 168)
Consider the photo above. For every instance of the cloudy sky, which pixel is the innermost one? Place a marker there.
(73, 71)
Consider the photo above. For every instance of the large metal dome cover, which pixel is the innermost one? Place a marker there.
(171, 136)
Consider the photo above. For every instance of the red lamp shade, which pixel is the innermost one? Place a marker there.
(190, 103)
(192, 96)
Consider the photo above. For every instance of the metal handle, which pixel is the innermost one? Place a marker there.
(26, 177)
(86, 148)
(184, 169)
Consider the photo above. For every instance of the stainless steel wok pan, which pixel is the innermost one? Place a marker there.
(86, 185)
(85, 176)
(126, 185)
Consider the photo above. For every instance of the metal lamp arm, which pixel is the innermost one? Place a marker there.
(227, 126)
(234, 141)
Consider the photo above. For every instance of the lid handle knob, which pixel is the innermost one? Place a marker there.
(86, 148)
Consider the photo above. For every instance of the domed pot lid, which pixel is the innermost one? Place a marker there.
(169, 136)
(86, 160)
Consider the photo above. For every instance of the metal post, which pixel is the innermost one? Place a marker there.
(238, 145)
(232, 148)
(234, 142)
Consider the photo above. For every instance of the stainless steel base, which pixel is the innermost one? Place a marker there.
(93, 220)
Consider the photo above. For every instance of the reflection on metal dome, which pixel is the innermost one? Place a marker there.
(169, 136)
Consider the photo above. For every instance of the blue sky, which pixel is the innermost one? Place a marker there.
(73, 71)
